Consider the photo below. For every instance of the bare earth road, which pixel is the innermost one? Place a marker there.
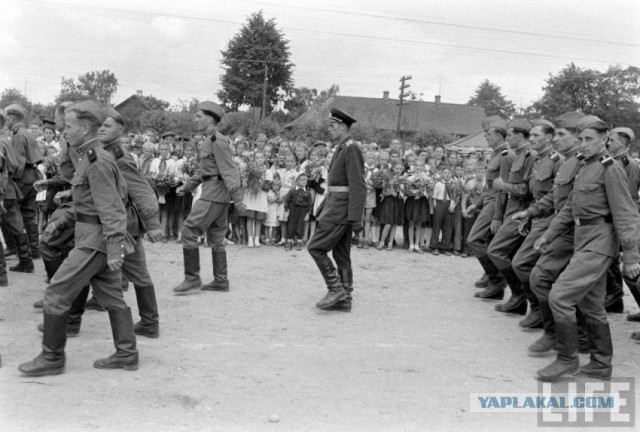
(262, 358)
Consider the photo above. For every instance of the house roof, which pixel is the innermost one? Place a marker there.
(417, 116)
(470, 143)
(132, 99)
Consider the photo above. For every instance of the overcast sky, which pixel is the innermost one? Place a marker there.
(171, 49)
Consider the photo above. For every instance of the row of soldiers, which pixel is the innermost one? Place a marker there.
(552, 226)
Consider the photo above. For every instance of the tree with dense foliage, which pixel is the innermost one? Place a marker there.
(97, 85)
(489, 96)
(259, 47)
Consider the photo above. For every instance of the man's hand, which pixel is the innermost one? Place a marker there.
(452, 207)
(631, 270)
(356, 226)
(521, 216)
(240, 206)
(114, 264)
(155, 235)
(495, 226)
(499, 184)
(540, 244)
(62, 196)
(40, 185)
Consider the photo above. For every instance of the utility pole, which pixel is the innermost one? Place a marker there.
(403, 95)
(264, 93)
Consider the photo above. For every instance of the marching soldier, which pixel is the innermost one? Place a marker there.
(341, 215)
(99, 193)
(544, 171)
(220, 180)
(28, 156)
(492, 207)
(605, 218)
(507, 240)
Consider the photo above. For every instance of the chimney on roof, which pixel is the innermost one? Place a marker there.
(385, 95)
(438, 98)
(139, 93)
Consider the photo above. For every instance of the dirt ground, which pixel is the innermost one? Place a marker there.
(263, 358)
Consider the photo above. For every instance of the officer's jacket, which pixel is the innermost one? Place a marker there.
(345, 169)
(517, 187)
(600, 193)
(498, 166)
(219, 175)
(633, 174)
(99, 190)
(553, 202)
(9, 165)
(27, 153)
(142, 204)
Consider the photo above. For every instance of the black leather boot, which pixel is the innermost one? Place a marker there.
(566, 361)
(600, 350)
(33, 235)
(148, 325)
(191, 280)
(494, 291)
(517, 303)
(346, 277)
(483, 282)
(93, 304)
(25, 265)
(51, 267)
(220, 280)
(334, 285)
(542, 347)
(52, 358)
(10, 240)
(4, 280)
(126, 355)
(76, 311)
(548, 323)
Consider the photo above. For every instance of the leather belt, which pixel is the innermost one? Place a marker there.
(88, 219)
(209, 177)
(338, 188)
(595, 221)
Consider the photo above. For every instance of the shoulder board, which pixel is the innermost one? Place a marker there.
(117, 152)
(348, 143)
(527, 153)
(579, 156)
(606, 160)
(91, 155)
(554, 157)
(625, 160)
(504, 152)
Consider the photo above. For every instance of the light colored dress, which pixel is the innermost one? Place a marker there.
(287, 181)
(272, 212)
(258, 201)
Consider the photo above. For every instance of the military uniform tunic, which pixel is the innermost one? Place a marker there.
(28, 156)
(633, 174)
(99, 195)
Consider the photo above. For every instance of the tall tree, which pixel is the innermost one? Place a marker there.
(154, 103)
(259, 49)
(303, 98)
(489, 96)
(97, 85)
(610, 95)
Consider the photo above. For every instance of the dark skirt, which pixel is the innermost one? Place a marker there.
(417, 210)
(378, 210)
(392, 211)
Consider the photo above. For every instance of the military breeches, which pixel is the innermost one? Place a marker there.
(480, 235)
(28, 204)
(505, 244)
(84, 266)
(12, 219)
(206, 217)
(550, 265)
(134, 267)
(334, 237)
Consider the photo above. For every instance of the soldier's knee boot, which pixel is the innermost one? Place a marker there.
(52, 358)
(191, 280)
(148, 325)
(124, 339)
(25, 263)
(220, 280)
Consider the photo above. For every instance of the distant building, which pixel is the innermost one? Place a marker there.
(132, 109)
(417, 116)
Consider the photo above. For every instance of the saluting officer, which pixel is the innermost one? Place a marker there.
(28, 156)
(544, 171)
(220, 180)
(492, 206)
(99, 194)
(605, 218)
(341, 215)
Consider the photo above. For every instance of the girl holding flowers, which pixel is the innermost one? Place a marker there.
(392, 206)
(287, 176)
(417, 205)
(256, 198)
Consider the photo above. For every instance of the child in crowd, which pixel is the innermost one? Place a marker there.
(392, 207)
(370, 162)
(318, 186)
(417, 206)
(147, 157)
(383, 160)
(256, 200)
(187, 167)
(473, 191)
(272, 211)
(456, 193)
(288, 176)
(441, 236)
(164, 169)
(299, 204)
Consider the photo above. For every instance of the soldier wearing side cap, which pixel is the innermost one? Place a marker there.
(507, 240)
(544, 170)
(28, 156)
(101, 242)
(220, 179)
(491, 205)
(619, 140)
(605, 218)
(341, 215)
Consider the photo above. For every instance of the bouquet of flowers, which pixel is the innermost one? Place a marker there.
(278, 160)
(313, 170)
(456, 189)
(50, 165)
(254, 174)
(162, 184)
(379, 178)
(414, 185)
(190, 167)
(430, 185)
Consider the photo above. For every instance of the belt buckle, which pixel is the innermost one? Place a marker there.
(577, 221)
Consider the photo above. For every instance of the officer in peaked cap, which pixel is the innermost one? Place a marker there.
(605, 219)
(220, 179)
(341, 215)
(28, 156)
